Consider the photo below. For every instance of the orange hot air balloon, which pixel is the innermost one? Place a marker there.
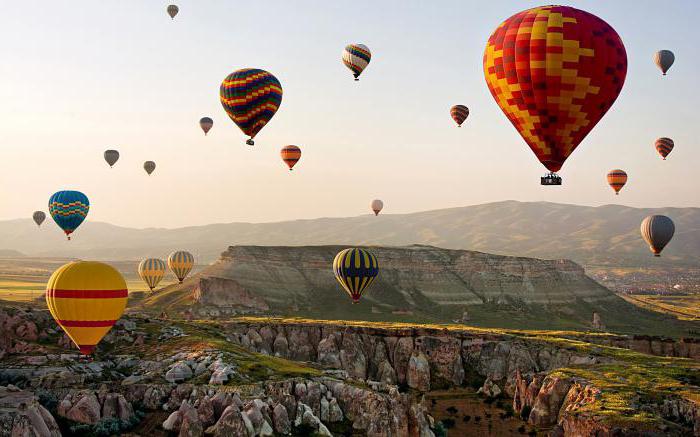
(290, 155)
(86, 299)
(554, 71)
(617, 179)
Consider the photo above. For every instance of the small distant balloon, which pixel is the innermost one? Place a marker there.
(173, 10)
(206, 124)
(69, 209)
(180, 263)
(151, 270)
(377, 205)
(290, 155)
(657, 231)
(355, 269)
(39, 217)
(664, 59)
(356, 57)
(149, 166)
(111, 156)
(459, 114)
(617, 179)
(664, 146)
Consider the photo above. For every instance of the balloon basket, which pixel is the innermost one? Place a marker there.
(550, 179)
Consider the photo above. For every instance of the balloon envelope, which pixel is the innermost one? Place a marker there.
(617, 179)
(86, 299)
(657, 231)
(180, 263)
(39, 217)
(149, 166)
(554, 71)
(250, 97)
(459, 113)
(206, 124)
(151, 270)
(377, 206)
(173, 10)
(290, 155)
(664, 59)
(356, 57)
(355, 269)
(68, 209)
(111, 156)
(664, 146)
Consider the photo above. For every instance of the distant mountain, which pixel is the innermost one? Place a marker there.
(416, 283)
(605, 235)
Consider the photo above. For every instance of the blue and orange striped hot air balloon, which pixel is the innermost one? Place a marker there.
(86, 298)
(181, 263)
(68, 209)
(355, 269)
(250, 97)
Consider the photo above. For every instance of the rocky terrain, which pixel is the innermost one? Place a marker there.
(416, 283)
(263, 377)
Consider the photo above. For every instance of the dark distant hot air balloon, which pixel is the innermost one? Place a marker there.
(356, 57)
(250, 97)
(664, 146)
(664, 59)
(39, 217)
(290, 155)
(657, 231)
(554, 71)
(68, 209)
(617, 179)
(111, 156)
(206, 123)
(172, 11)
(149, 166)
(355, 269)
(86, 298)
(376, 205)
(459, 113)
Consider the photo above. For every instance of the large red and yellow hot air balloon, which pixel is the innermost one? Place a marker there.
(554, 71)
(86, 298)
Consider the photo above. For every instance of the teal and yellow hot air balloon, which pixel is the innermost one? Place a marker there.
(180, 262)
(355, 269)
(151, 270)
(68, 209)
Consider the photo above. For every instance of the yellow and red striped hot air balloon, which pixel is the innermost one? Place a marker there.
(180, 262)
(152, 271)
(617, 179)
(290, 155)
(86, 298)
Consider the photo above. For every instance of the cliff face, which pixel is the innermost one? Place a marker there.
(422, 281)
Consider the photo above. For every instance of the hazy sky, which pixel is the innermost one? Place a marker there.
(78, 77)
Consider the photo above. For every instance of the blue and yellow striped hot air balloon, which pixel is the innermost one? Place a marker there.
(151, 271)
(250, 97)
(180, 262)
(68, 209)
(355, 269)
(86, 298)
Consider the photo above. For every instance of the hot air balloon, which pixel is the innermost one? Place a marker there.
(377, 206)
(86, 298)
(151, 271)
(68, 209)
(39, 217)
(180, 263)
(206, 123)
(250, 97)
(290, 155)
(617, 179)
(356, 57)
(172, 11)
(664, 59)
(149, 166)
(657, 231)
(459, 113)
(355, 269)
(664, 146)
(111, 156)
(554, 71)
